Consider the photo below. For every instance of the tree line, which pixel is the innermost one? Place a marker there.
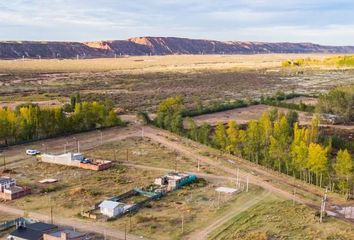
(30, 122)
(339, 101)
(276, 141)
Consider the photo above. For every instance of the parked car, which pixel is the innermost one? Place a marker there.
(32, 152)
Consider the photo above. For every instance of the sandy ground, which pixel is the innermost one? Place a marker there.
(243, 115)
(14, 104)
(246, 114)
(306, 100)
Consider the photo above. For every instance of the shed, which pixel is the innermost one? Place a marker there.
(111, 208)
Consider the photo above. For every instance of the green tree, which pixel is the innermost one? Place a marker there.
(232, 137)
(220, 136)
(317, 161)
(167, 110)
(252, 144)
(203, 134)
(279, 144)
(344, 169)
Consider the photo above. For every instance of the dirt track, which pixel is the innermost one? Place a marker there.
(58, 145)
(75, 223)
(227, 164)
(204, 232)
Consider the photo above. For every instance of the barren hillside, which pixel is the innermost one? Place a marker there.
(155, 46)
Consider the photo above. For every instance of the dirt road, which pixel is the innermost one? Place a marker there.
(257, 175)
(78, 224)
(83, 141)
(204, 232)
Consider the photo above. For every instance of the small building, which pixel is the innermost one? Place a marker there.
(10, 191)
(111, 208)
(174, 180)
(33, 231)
(76, 160)
(65, 235)
(6, 183)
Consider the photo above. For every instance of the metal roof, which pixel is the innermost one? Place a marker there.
(26, 233)
(109, 204)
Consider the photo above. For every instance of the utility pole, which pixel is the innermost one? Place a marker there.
(4, 161)
(51, 214)
(127, 154)
(182, 222)
(125, 231)
(247, 180)
(323, 206)
(237, 178)
(198, 164)
(101, 136)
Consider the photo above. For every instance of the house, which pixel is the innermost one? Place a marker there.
(33, 231)
(9, 190)
(174, 180)
(6, 183)
(65, 235)
(111, 209)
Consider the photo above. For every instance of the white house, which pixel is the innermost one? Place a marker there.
(6, 183)
(111, 208)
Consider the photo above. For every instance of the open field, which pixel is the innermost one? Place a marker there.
(151, 63)
(275, 218)
(244, 115)
(146, 152)
(80, 189)
(305, 100)
(140, 83)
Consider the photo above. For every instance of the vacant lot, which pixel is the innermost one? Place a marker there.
(305, 100)
(140, 83)
(79, 189)
(136, 150)
(199, 206)
(244, 115)
(278, 219)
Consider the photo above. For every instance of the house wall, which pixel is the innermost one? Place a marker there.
(107, 212)
(8, 195)
(64, 159)
(62, 237)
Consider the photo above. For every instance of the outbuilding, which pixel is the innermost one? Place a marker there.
(111, 208)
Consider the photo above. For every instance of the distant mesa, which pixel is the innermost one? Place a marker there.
(140, 46)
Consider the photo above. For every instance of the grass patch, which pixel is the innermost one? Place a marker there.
(279, 219)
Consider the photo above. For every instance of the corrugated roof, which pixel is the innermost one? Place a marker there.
(109, 204)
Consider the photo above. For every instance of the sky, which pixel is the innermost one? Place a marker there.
(329, 22)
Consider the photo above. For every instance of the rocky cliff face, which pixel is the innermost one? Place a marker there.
(155, 46)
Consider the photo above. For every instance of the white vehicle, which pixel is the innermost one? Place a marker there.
(32, 152)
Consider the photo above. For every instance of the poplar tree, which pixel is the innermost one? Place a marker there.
(344, 170)
(317, 161)
(220, 136)
(232, 137)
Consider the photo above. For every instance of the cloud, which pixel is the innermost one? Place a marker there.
(322, 21)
